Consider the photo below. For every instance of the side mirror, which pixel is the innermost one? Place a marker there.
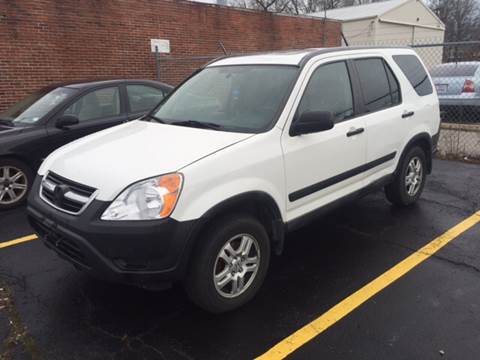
(312, 122)
(66, 121)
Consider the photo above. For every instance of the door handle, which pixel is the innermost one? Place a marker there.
(407, 114)
(354, 132)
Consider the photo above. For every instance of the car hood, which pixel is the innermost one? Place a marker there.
(112, 159)
(6, 131)
(4, 128)
(12, 135)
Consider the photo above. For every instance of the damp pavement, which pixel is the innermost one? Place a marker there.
(49, 310)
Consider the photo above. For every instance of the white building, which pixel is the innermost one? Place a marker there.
(394, 22)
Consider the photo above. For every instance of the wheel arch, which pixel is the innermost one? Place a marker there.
(424, 140)
(20, 158)
(257, 203)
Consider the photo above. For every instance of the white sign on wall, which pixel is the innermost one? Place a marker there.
(163, 45)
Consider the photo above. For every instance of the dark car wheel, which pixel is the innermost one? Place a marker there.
(15, 181)
(408, 184)
(229, 264)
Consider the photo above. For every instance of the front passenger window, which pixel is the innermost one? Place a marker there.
(101, 103)
(329, 89)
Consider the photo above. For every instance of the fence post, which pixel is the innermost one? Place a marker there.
(223, 47)
(157, 62)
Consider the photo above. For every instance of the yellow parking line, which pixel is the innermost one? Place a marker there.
(345, 307)
(18, 241)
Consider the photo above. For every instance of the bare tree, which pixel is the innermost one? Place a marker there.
(297, 6)
(461, 18)
(311, 6)
(265, 5)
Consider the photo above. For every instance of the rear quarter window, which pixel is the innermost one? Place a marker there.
(415, 73)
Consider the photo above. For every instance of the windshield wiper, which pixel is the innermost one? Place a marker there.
(150, 116)
(198, 124)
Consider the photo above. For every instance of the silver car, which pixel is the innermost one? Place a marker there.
(458, 89)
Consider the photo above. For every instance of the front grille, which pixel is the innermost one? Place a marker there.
(64, 194)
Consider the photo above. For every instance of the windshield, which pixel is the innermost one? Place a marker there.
(231, 98)
(454, 70)
(32, 108)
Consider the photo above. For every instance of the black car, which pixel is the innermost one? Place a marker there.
(56, 115)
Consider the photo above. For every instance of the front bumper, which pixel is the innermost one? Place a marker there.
(142, 253)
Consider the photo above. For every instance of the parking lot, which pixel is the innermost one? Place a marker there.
(49, 310)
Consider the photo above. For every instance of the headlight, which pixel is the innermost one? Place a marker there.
(149, 199)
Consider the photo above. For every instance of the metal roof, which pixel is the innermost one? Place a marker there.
(361, 11)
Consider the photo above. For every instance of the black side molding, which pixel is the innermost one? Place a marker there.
(315, 214)
(339, 178)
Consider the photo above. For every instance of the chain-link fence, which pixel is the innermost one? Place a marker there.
(454, 67)
(455, 70)
(174, 69)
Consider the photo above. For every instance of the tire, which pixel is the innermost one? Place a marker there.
(206, 262)
(398, 192)
(15, 182)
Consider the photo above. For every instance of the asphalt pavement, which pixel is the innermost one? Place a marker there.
(49, 310)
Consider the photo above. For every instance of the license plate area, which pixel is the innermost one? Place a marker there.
(441, 88)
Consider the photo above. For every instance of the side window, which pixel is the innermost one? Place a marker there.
(394, 86)
(376, 82)
(415, 73)
(102, 103)
(329, 89)
(143, 98)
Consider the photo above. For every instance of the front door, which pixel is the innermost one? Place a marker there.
(96, 110)
(322, 167)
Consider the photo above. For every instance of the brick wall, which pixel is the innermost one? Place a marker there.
(43, 41)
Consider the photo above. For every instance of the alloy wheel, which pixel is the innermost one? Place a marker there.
(236, 265)
(414, 177)
(13, 185)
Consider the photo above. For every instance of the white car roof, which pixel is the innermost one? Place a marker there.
(297, 57)
(293, 57)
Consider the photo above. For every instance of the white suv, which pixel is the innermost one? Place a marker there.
(204, 188)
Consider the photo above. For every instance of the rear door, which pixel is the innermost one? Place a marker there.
(96, 110)
(385, 116)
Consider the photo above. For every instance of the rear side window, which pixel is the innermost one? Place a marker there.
(143, 98)
(379, 85)
(415, 73)
(394, 87)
